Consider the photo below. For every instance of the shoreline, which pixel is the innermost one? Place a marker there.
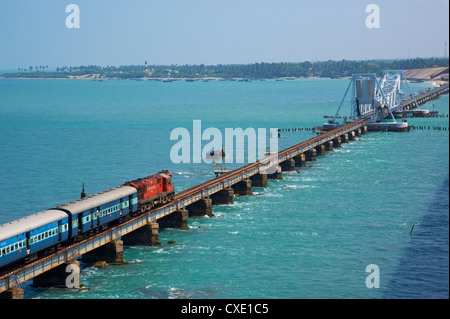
(72, 77)
(236, 79)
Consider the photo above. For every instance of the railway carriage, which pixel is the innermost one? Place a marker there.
(32, 235)
(98, 210)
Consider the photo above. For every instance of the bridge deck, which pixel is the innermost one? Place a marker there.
(425, 97)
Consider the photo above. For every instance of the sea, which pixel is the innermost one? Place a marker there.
(369, 220)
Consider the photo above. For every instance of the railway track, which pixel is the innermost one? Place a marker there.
(228, 175)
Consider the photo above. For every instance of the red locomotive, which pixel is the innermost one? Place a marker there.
(153, 190)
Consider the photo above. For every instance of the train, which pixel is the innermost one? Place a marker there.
(32, 237)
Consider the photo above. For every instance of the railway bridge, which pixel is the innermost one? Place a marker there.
(107, 246)
(198, 200)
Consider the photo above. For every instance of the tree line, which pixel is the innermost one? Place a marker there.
(255, 70)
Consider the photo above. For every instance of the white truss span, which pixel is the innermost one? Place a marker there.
(377, 99)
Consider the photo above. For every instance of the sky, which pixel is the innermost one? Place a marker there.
(164, 32)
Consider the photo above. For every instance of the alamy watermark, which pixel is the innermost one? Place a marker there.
(73, 19)
(373, 279)
(229, 147)
(73, 279)
(373, 19)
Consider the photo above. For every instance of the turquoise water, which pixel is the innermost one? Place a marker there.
(310, 235)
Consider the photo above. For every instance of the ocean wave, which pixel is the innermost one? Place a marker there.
(290, 186)
(183, 173)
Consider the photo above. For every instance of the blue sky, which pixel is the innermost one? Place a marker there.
(116, 32)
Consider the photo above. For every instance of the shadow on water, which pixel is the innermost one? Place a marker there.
(423, 271)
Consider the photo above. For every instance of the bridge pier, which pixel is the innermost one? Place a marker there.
(351, 136)
(287, 165)
(358, 132)
(363, 130)
(259, 180)
(328, 146)
(276, 175)
(178, 219)
(310, 155)
(56, 277)
(201, 207)
(320, 150)
(243, 187)
(344, 138)
(12, 293)
(223, 197)
(145, 235)
(111, 252)
(300, 160)
(336, 142)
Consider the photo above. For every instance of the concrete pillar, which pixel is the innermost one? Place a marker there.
(310, 155)
(364, 129)
(300, 160)
(145, 235)
(344, 138)
(111, 252)
(287, 165)
(275, 175)
(12, 293)
(259, 180)
(320, 150)
(178, 219)
(358, 132)
(223, 197)
(351, 136)
(243, 187)
(56, 277)
(328, 146)
(201, 207)
(337, 142)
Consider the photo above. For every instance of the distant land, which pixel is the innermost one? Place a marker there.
(432, 69)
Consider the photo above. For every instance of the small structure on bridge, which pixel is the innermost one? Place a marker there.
(375, 100)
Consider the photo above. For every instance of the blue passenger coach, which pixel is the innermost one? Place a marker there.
(100, 209)
(29, 235)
